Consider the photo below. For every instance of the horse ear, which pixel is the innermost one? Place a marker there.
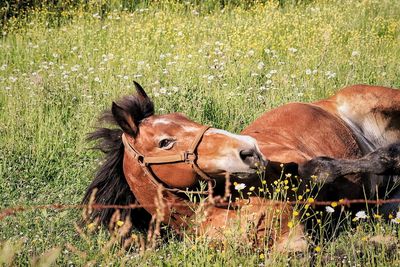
(140, 90)
(124, 119)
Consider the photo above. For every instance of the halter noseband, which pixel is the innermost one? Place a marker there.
(189, 156)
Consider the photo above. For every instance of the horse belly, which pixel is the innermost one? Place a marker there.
(297, 132)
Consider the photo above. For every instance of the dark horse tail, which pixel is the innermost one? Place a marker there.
(110, 186)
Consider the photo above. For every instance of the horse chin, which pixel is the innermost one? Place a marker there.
(245, 175)
(242, 176)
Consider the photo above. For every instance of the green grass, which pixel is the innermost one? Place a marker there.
(222, 67)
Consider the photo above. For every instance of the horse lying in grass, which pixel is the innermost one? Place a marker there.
(158, 160)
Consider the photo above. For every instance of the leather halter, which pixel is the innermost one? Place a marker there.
(189, 156)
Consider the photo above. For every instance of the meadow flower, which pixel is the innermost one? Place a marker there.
(240, 186)
(75, 68)
(308, 72)
(329, 209)
(355, 53)
(120, 223)
(292, 49)
(377, 216)
(360, 215)
(330, 74)
(397, 219)
(273, 72)
(91, 226)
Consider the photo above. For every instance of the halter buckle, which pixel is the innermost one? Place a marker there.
(140, 159)
(189, 157)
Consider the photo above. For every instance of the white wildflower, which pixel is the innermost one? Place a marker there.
(273, 72)
(397, 219)
(361, 215)
(240, 186)
(329, 209)
(330, 74)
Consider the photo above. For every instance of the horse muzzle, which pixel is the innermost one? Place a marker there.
(253, 158)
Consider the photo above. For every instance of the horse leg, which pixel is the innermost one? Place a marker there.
(382, 161)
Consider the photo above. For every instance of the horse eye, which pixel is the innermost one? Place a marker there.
(166, 143)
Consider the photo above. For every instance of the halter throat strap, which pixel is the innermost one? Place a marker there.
(189, 156)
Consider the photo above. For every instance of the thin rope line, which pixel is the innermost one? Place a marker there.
(343, 202)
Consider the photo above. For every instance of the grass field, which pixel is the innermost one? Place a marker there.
(220, 66)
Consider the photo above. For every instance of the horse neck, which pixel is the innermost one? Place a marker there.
(169, 207)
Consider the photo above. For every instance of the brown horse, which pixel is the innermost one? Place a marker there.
(152, 158)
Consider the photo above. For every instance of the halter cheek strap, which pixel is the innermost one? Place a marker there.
(189, 156)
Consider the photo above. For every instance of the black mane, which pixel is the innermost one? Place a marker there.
(110, 183)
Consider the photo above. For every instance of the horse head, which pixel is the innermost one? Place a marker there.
(177, 151)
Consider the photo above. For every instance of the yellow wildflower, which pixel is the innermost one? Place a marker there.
(91, 226)
(377, 216)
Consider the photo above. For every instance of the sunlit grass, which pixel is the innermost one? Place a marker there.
(222, 67)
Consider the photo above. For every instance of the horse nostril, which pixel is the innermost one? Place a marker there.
(247, 155)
